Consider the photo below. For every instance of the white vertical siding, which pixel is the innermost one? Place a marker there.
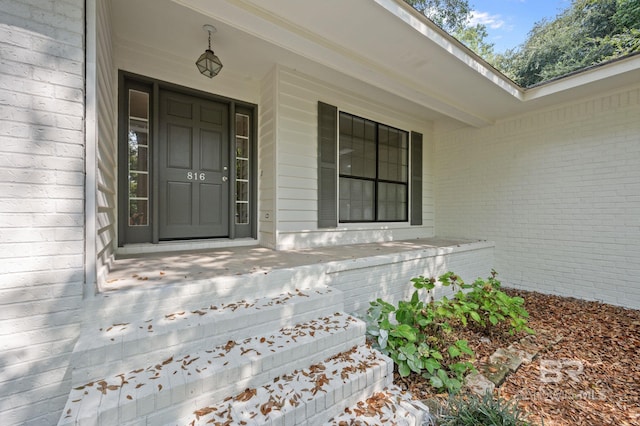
(106, 172)
(41, 204)
(296, 166)
(558, 193)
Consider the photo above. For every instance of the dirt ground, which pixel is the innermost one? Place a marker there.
(591, 377)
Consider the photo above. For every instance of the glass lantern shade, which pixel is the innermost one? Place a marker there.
(209, 64)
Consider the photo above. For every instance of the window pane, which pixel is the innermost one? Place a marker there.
(139, 104)
(242, 125)
(357, 147)
(242, 191)
(392, 154)
(242, 169)
(404, 146)
(138, 158)
(138, 185)
(356, 200)
(370, 149)
(242, 148)
(138, 212)
(242, 213)
(346, 149)
(392, 202)
(346, 144)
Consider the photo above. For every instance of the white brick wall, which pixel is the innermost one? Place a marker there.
(41, 204)
(389, 277)
(559, 193)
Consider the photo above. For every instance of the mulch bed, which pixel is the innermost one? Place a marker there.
(591, 377)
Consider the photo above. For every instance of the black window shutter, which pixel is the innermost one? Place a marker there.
(327, 167)
(416, 178)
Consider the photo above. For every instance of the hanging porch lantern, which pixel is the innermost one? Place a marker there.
(208, 63)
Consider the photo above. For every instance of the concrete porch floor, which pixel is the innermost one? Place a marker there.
(152, 269)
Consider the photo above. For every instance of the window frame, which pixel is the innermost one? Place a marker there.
(377, 180)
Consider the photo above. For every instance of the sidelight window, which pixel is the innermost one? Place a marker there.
(242, 169)
(138, 144)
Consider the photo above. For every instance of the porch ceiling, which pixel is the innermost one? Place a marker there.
(382, 48)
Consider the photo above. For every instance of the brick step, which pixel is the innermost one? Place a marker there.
(388, 406)
(180, 384)
(113, 346)
(150, 295)
(309, 396)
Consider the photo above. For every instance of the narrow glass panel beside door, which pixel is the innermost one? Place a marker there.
(242, 169)
(138, 138)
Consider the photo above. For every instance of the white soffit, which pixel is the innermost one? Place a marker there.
(383, 48)
(361, 40)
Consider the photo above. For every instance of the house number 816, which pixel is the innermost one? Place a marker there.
(195, 176)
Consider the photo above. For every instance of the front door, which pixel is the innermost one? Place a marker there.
(193, 154)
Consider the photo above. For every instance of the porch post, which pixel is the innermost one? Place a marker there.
(90, 156)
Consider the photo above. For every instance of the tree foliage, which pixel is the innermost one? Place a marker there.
(454, 16)
(587, 33)
(450, 15)
(474, 37)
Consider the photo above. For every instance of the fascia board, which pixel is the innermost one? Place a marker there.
(431, 31)
(605, 74)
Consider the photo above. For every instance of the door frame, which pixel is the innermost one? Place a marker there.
(187, 168)
(128, 234)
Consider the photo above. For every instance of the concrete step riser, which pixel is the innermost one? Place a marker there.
(217, 388)
(392, 405)
(173, 383)
(313, 408)
(100, 357)
(223, 390)
(130, 305)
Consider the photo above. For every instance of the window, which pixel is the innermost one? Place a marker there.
(138, 142)
(242, 169)
(373, 171)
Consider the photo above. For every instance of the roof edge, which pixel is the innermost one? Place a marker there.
(446, 41)
(593, 74)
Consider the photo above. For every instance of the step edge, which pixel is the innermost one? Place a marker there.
(358, 384)
(88, 340)
(354, 335)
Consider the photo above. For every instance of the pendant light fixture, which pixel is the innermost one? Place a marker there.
(208, 63)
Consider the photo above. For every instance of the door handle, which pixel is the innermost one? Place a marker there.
(224, 178)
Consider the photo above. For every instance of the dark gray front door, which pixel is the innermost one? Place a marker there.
(193, 167)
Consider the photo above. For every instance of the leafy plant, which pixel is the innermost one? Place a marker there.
(417, 334)
(494, 306)
(472, 410)
(413, 334)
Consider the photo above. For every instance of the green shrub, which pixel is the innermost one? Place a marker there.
(417, 333)
(494, 306)
(472, 410)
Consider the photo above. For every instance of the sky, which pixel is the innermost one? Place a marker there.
(509, 21)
